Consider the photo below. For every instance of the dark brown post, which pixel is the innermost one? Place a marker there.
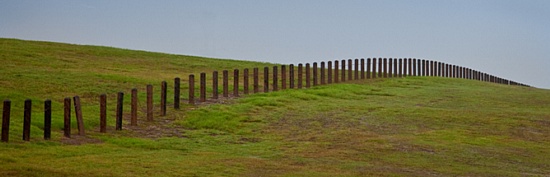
(343, 68)
(177, 81)
(431, 63)
(67, 118)
(27, 121)
(6, 121)
(133, 117)
(236, 82)
(323, 82)
(215, 85)
(275, 79)
(374, 68)
(191, 89)
(336, 72)
(245, 81)
(400, 68)
(363, 68)
(78, 113)
(350, 70)
(256, 82)
(163, 96)
(369, 68)
(283, 77)
(225, 83)
(385, 68)
(380, 72)
(356, 67)
(119, 110)
(315, 74)
(149, 102)
(300, 73)
(329, 72)
(47, 119)
(414, 67)
(202, 87)
(409, 66)
(395, 72)
(390, 68)
(102, 113)
(266, 79)
(308, 75)
(291, 73)
(419, 69)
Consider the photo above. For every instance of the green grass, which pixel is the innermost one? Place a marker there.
(384, 127)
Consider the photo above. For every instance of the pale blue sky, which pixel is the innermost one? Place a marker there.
(506, 38)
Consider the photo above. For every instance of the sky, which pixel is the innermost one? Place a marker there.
(505, 38)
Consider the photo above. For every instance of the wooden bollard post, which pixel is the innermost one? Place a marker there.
(368, 74)
(329, 72)
(149, 102)
(291, 75)
(308, 75)
(78, 114)
(266, 79)
(134, 107)
(385, 65)
(191, 89)
(400, 68)
(395, 72)
(202, 92)
(245, 81)
(409, 67)
(323, 80)
(439, 69)
(225, 83)
(432, 68)
(390, 68)
(177, 84)
(380, 70)
(102, 113)
(236, 82)
(374, 69)
(119, 110)
(363, 68)
(275, 78)
(47, 119)
(350, 70)
(419, 68)
(336, 72)
(163, 96)
(300, 71)
(315, 74)
(283, 77)
(414, 67)
(256, 82)
(27, 121)
(343, 71)
(426, 68)
(6, 121)
(356, 69)
(215, 84)
(67, 117)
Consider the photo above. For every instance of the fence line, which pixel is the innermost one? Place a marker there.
(314, 76)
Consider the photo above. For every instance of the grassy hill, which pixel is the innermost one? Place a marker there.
(413, 126)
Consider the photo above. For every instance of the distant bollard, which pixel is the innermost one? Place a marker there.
(315, 74)
(414, 67)
(215, 84)
(256, 80)
(275, 79)
(119, 110)
(177, 84)
(236, 82)
(47, 119)
(78, 114)
(149, 102)
(27, 120)
(352, 74)
(385, 72)
(363, 68)
(329, 72)
(300, 73)
(322, 76)
(67, 117)
(336, 72)
(163, 96)
(308, 75)
(6, 121)
(390, 68)
(134, 107)
(409, 67)
(291, 76)
(400, 68)
(283, 77)
(102, 113)
(380, 70)
(191, 89)
(395, 72)
(245, 81)
(225, 83)
(369, 63)
(266, 79)
(343, 71)
(202, 87)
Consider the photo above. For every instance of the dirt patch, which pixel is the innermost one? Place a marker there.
(79, 140)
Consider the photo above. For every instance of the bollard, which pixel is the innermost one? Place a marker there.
(385, 68)
(266, 79)
(390, 68)
(308, 75)
(400, 68)
(6, 121)
(27, 121)
(119, 110)
(291, 73)
(343, 68)
(78, 114)
(374, 73)
(177, 81)
(163, 96)
(323, 82)
(149, 102)
(368, 74)
(409, 66)
(256, 84)
(202, 87)
(315, 79)
(236, 82)
(329, 72)
(134, 107)
(363, 68)
(47, 119)
(300, 68)
(283, 77)
(102, 113)
(275, 79)
(380, 68)
(225, 83)
(191, 89)
(350, 70)
(395, 72)
(245, 81)
(215, 84)
(67, 117)
(336, 66)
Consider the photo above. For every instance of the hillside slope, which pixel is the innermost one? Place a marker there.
(413, 126)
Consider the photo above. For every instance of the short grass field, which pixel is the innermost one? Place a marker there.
(412, 126)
